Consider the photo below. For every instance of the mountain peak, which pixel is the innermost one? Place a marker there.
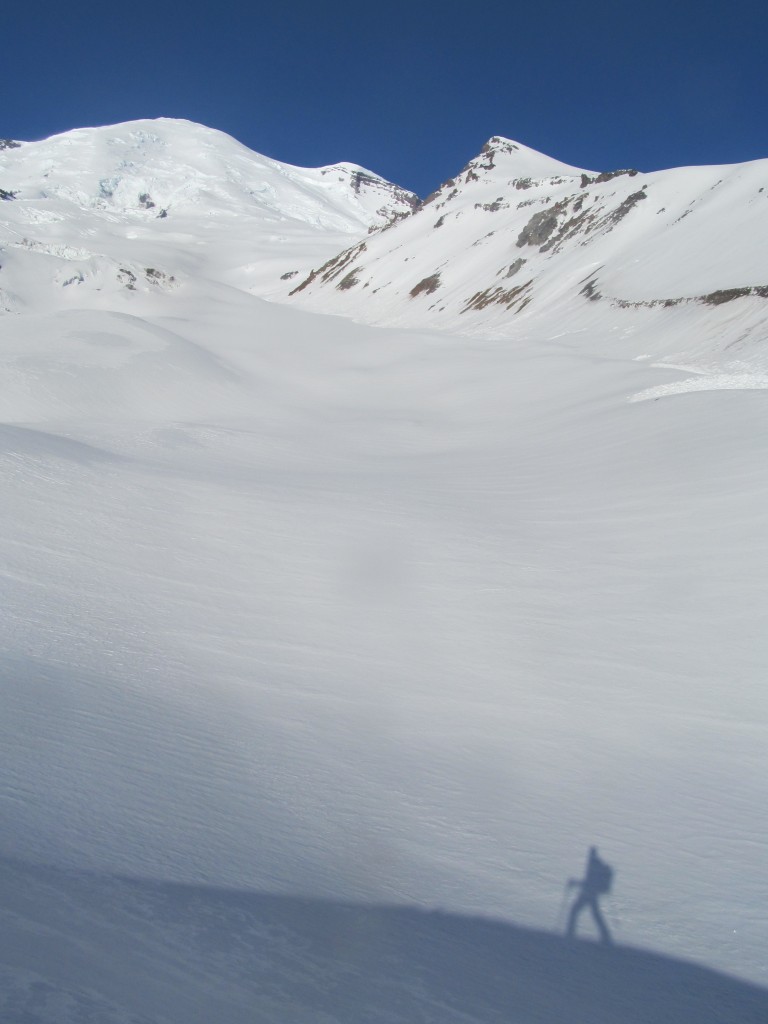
(171, 165)
(504, 161)
(516, 160)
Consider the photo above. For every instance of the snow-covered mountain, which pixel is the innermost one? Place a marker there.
(519, 243)
(142, 205)
(313, 627)
(516, 242)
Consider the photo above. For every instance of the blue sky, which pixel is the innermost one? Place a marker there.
(410, 90)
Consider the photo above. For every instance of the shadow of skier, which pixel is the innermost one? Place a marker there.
(596, 882)
(123, 948)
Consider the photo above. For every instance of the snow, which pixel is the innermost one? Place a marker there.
(641, 239)
(703, 380)
(177, 193)
(513, 159)
(313, 628)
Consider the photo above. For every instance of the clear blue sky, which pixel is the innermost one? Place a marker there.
(410, 90)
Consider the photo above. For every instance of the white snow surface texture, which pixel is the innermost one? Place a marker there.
(404, 607)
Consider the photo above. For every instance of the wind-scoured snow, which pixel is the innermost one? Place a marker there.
(313, 628)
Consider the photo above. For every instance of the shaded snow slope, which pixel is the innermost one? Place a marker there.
(199, 954)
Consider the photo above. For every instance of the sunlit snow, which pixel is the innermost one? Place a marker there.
(306, 619)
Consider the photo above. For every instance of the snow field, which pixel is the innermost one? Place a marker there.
(331, 616)
(420, 626)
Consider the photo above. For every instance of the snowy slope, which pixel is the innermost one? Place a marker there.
(96, 209)
(518, 243)
(304, 617)
(196, 954)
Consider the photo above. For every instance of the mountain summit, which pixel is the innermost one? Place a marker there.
(163, 166)
(514, 161)
(107, 202)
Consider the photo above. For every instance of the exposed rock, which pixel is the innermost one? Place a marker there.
(7, 196)
(494, 207)
(360, 177)
(649, 303)
(333, 268)
(716, 298)
(128, 278)
(360, 180)
(539, 228)
(510, 297)
(586, 179)
(590, 290)
(621, 211)
(488, 152)
(427, 285)
(729, 294)
(450, 183)
(9, 144)
(394, 218)
(514, 267)
(582, 222)
(158, 276)
(349, 280)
